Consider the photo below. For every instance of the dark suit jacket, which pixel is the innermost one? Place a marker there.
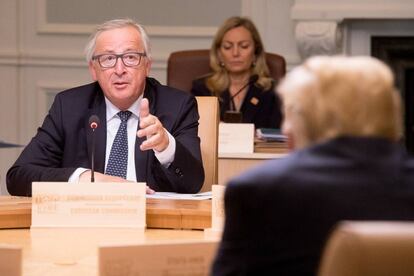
(63, 143)
(279, 215)
(260, 107)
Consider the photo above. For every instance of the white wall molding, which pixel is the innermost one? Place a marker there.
(44, 27)
(318, 38)
(9, 57)
(319, 28)
(339, 10)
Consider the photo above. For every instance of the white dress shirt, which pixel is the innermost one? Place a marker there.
(165, 157)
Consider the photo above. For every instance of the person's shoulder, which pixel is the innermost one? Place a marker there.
(199, 86)
(167, 94)
(201, 80)
(162, 88)
(264, 92)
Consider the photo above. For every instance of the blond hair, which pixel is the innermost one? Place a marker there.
(328, 97)
(219, 81)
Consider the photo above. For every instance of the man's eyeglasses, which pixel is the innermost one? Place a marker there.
(130, 59)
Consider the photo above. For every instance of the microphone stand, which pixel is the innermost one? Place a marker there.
(93, 123)
(93, 157)
(233, 116)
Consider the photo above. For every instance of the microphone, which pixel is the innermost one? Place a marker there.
(253, 79)
(93, 124)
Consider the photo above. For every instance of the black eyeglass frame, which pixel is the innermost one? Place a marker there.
(117, 56)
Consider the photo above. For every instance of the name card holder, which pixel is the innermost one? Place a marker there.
(10, 260)
(188, 258)
(236, 138)
(106, 204)
(217, 212)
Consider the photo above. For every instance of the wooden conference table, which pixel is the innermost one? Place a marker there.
(232, 164)
(74, 251)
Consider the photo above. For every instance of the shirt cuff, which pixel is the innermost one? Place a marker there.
(166, 157)
(74, 177)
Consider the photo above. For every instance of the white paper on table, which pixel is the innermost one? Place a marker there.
(236, 138)
(170, 195)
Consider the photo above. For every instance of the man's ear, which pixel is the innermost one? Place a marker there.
(148, 67)
(92, 70)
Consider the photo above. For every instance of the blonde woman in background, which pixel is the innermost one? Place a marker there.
(240, 77)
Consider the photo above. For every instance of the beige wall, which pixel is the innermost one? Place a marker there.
(41, 49)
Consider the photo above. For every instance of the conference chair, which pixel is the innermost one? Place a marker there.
(208, 109)
(370, 248)
(185, 66)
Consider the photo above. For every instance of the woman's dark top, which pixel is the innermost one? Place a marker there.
(260, 107)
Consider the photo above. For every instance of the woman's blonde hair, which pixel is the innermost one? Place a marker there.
(219, 81)
(328, 97)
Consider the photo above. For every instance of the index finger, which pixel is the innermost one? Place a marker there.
(144, 108)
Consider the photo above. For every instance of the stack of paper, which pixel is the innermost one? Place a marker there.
(270, 134)
(169, 195)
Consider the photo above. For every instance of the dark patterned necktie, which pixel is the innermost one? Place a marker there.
(118, 157)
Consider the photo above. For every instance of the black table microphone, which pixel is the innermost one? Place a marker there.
(93, 124)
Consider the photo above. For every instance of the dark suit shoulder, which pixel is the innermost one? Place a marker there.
(166, 93)
(169, 104)
(77, 97)
(199, 87)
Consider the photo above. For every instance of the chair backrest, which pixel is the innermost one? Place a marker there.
(185, 66)
(370, 248)
(208, 109)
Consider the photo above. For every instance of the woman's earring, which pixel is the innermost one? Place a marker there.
(221, 64)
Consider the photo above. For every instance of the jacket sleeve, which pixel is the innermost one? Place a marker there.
(186, 172)
(41, 159)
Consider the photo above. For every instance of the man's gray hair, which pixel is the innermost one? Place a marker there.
(116, 24)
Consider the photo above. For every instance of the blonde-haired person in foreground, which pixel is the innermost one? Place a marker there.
(343, 120)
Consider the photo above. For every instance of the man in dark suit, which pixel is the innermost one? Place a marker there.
(147, 132)
(343, 120)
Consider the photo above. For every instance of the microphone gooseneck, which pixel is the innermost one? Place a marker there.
(94, 122)
(253, 79)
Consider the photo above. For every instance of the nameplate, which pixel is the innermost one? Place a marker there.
(236, 138)
(217, 207)
(189, 258)
(10, 260)
(105, 204)
(217, 212)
